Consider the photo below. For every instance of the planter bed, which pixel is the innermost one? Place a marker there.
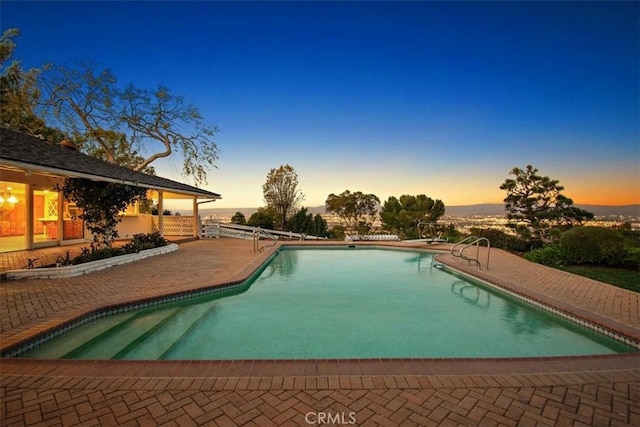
(87, 267)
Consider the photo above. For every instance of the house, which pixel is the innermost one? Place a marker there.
(34, 214)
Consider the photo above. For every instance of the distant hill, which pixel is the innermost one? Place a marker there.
(483, 209)
(486, 209)
(247, 212)
(600, 210)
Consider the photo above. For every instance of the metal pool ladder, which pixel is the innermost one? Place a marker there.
(257, 234)
(471, 241)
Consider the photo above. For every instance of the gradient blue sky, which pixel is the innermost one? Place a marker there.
(390, 98)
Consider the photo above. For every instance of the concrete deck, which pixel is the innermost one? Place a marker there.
(550, 391)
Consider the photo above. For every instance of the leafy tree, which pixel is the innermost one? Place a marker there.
(19, 93)
(301, 222)
(320, 227)
(337, 232)
(102, 203)
(263, 218)
(536, 205)
(353, 209)
(119, 124)
(402, 216)
(281, 193)
(238, 218)
(305, 223)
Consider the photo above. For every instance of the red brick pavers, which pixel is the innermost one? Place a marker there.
(557, 391)
(39, 257)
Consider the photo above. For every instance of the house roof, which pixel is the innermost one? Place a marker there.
(28, 152)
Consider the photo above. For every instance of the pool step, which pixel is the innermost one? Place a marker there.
(65, 343)
(154, 346)
(120, 337)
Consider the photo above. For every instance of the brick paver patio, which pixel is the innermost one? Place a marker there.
(551, 391)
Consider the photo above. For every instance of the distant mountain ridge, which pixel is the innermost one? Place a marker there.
(486, 209)
(482, 209)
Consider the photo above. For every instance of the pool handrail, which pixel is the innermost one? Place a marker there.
(474, 241)
(259, 233)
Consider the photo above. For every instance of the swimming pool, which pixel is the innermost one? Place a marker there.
(335, 303)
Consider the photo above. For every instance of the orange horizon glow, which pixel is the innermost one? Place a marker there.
(602, 193)
(610, 193)
(618, 200)
(578, 199)
(604, 187)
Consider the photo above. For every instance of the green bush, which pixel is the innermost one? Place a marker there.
(632, 258)
(338, 232)
(94, 255)
(508, 242)
(154, 240)
(551, 255)
(138, 243)
(450, 234)
(593, 245)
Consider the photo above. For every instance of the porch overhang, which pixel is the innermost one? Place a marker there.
(169, 193)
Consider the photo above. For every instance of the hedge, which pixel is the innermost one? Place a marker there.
(593, 245)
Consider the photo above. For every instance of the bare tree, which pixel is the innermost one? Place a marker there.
(131, 126)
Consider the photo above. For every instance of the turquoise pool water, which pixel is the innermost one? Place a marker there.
(336, 303)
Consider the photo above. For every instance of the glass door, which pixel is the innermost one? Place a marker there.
(13, 216)
(46, 218)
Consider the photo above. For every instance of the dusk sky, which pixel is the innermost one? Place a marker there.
(390, 98)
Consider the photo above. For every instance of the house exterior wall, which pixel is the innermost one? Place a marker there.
(36, 214)
(40, 217)
(134, 224)
(33, 213)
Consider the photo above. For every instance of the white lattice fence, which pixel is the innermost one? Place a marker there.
(175, 225)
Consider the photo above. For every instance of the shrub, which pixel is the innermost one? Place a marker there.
(155, 239)
(593, 245)
(551, 255)
(450, 234)
(337, 233)
(500, 239)
(97, 254)
(138, 243)
(632, 258)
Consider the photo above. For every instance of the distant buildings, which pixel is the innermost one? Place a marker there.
(465, 223)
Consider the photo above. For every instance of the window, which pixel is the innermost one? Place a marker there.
(72, 225)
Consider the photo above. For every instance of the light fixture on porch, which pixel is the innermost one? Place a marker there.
(8, 198)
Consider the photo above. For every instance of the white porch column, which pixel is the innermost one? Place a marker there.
(30, 215)
(196, 232)
(160, 212)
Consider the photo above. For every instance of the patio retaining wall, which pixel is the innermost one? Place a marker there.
(89, 267)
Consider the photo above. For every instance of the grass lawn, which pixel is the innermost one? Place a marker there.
(627, 279)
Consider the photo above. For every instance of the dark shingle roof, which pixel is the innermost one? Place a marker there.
(19, 149)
